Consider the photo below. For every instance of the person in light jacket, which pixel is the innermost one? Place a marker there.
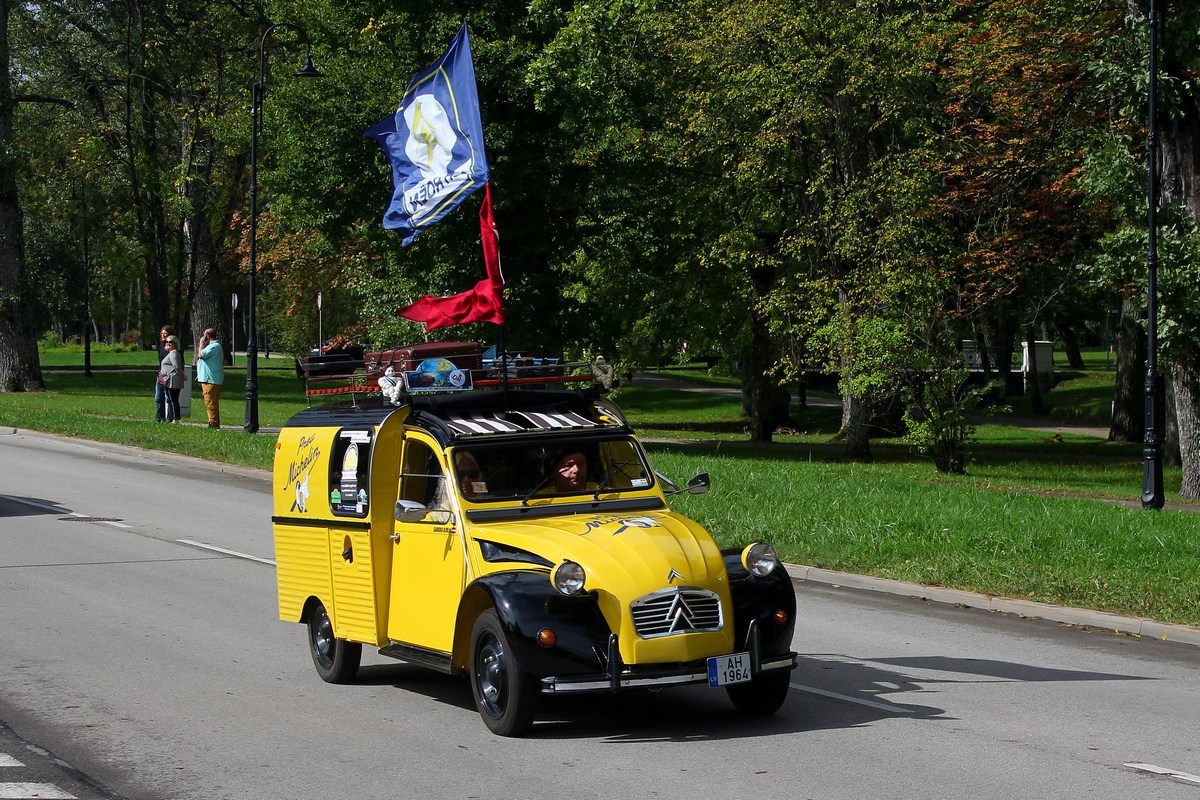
(170, 372)
(210, 374)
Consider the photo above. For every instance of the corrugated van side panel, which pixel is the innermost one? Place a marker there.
(302, 569)
(353, 586)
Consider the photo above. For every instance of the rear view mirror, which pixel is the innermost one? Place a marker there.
(698, 484)
(412, 511)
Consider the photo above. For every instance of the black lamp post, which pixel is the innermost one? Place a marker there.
(1152, 469)
(256, 100)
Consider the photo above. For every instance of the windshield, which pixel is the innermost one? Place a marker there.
(496, 472)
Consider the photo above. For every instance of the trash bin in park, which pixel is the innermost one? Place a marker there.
(185, 394)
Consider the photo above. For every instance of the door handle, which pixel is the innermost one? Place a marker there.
(395, 537)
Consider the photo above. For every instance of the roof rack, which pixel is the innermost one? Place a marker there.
(437, 367)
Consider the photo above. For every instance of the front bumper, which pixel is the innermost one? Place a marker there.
(618, 676)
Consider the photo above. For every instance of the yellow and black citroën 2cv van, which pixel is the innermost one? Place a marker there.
(517, 536)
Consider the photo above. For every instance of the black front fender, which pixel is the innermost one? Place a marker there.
(760, 599)
(526, 603)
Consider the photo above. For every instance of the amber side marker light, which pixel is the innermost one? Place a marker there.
(780, 616)
(546, 637)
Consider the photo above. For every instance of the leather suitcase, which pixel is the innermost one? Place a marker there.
(464, 355)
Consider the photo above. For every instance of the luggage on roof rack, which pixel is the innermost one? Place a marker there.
(464, 355)
(455, 366)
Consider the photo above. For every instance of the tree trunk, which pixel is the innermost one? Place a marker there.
(1171, 457)
(1129, 399)
(208, 309)
(766, 401)
(143, 102)
(1071, 346)
(20, 370)
(1179, 126)
(856, 427)
(1033, 381)
(202, 238)
(1006, 336)
(1186, 377)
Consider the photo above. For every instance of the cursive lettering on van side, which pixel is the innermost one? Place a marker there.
(306, 453)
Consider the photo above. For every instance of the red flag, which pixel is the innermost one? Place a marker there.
(481, 304)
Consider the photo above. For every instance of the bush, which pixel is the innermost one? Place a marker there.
(935, 412)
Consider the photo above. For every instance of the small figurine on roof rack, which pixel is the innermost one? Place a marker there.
(391, 386)
(602, 374)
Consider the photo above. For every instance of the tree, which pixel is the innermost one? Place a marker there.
(20, 370)
(1019, 119)
(1179, 292)
(1118, 174)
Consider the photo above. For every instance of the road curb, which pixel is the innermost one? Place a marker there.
(146, 455)
(1137, 626)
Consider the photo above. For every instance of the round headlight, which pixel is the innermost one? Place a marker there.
(759, 559)
(568, 578)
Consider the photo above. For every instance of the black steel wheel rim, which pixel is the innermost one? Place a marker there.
(322, 638)
(491, 670)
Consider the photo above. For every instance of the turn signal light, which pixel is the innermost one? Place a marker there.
(546, 637)
(780, 616)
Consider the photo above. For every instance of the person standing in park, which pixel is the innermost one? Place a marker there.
(160, 391)
(170, 377)
(210, 374)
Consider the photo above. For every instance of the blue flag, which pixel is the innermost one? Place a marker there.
(434, 142)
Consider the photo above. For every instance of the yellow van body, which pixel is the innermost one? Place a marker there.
(388, 533)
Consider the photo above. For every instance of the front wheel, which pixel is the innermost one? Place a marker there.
(504, 694)
(336, 659)
(762, 695)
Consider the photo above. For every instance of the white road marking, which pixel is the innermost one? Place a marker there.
(1170, 773)
(33, 791)
(233, 553)
(855, 700)
(8, 761)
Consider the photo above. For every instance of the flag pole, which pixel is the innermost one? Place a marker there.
(503, 364)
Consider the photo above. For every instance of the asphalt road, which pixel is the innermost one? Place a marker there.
(142, 647)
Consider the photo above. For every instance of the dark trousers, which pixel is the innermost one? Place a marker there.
(173, 405)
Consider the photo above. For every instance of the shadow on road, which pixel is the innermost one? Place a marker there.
(12, 506)
(682, 714)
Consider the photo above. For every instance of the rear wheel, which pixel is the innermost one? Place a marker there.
(336, 660)
(504, 694)
(762, 695)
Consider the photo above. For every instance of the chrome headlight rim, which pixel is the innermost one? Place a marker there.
(759, 559)
(568, 578)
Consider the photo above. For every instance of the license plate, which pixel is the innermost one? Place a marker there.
(733, 668)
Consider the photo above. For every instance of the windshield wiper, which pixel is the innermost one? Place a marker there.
(541, 484)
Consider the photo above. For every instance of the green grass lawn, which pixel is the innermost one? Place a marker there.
(1023, 522)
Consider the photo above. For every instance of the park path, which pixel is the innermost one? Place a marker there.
(661, 381)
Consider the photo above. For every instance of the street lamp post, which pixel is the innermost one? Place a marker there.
(257, 94)
(1152, 468)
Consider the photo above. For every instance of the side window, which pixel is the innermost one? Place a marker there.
(421, 478)
(349, 473)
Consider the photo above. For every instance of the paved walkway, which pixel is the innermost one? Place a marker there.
(665, 381)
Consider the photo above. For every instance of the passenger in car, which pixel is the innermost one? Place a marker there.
(470, 479)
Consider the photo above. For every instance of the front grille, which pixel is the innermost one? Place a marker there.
(684, 609)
